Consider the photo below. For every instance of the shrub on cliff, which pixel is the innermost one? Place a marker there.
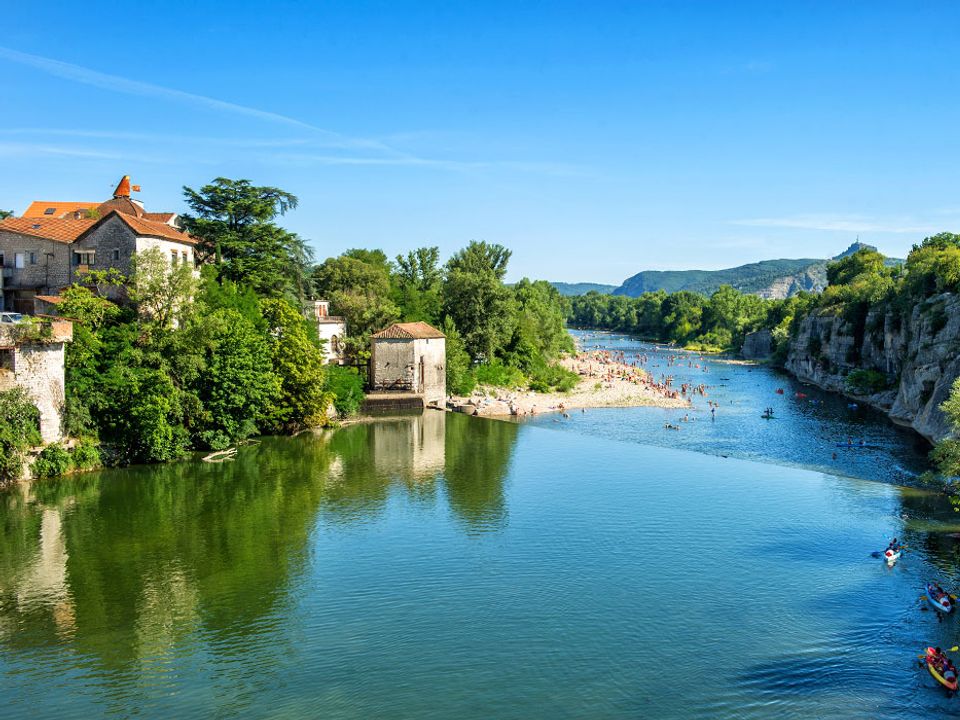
(867, 382)
(52, 461)
(19, 431)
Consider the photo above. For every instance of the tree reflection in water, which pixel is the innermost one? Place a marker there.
(122, 565)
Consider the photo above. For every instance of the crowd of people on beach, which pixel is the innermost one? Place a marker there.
(608, 366)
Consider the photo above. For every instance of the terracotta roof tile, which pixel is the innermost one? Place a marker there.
(38, 208)
(164, 217)
(409, 331)
(120, 204)
(52, 299)
(60, 230)
(152, 228)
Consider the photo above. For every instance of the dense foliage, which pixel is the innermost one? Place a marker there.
(716, 322)
(19, 431)
(496, 334)
(204, 360)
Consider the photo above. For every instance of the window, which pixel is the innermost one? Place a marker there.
(49, 211)
(173, 257)
(116, 255)
(7, 360)
(83, 257)
(18, 261)
(183, 257)
(33, 258)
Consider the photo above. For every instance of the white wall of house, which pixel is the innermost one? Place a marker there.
(333, 333)
(184, 252)
(431, 360)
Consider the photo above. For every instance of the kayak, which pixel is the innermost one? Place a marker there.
(944, 604)
(891, 557)
(948, 679)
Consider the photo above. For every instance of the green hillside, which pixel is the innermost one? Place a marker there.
(770, 278)
(571, 289)
(749, 278)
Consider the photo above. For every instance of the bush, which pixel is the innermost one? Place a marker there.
(496, 373)
(867, 382)
(553, 377)
(19, 430)
(86, 456)
(946, 456)
(347, 387)
(53, 460)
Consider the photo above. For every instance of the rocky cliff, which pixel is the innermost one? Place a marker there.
(911, 357)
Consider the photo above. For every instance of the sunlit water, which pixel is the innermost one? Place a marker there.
(451, 567)
(805, 431)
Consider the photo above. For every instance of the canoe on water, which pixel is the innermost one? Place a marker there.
(891, 557)
(943, 603)
(947, 678)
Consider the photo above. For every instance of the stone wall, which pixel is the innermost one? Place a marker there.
(49, 271)
(37, 365)
(392, 365)
(917, 350)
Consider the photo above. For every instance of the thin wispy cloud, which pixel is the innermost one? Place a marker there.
(840, 223)
(363, 151)
(34, 149)
(115, 83)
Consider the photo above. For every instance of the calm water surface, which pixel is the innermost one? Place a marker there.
(804, 433)
(451, 567)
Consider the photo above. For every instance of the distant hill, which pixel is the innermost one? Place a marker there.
(767, 278)
(582, 288)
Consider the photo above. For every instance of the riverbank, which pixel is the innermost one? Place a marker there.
(605, 382)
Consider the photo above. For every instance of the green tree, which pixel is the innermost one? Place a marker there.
(19, 431)
(233, 220)
(161, 292)
(475, 298)
(299, 364)
(419, 285)
(460, 378)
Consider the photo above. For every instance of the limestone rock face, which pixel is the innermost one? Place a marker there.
(918, 349)
(757, 345)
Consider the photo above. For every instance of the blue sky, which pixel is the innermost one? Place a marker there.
(593, 139)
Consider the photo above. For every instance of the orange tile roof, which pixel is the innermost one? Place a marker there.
(64, 230)
(152, 228)
(52, 299)
(38, 207)
(164, 217)
(409, 331)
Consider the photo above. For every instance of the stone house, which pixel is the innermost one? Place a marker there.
(53, 245)
(32, 357)
(410, 358)
(332, 329)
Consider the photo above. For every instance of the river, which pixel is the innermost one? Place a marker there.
(441, 566)
(807, 425)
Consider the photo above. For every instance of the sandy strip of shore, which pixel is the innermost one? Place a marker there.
(604, 383)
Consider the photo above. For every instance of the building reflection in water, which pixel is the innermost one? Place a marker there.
(123, 565)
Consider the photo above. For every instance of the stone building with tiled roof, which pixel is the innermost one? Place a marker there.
(410, 358)
(54, 244)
